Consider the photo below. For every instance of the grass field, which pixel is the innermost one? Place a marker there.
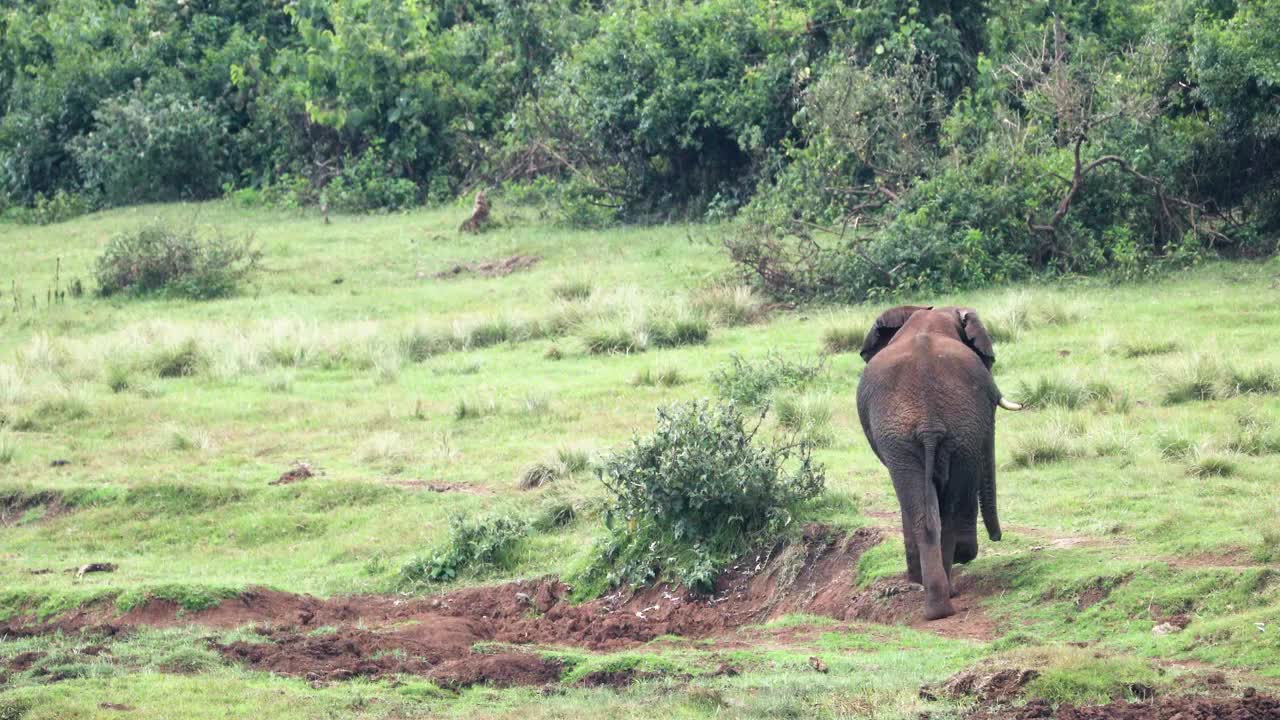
(1138, 490)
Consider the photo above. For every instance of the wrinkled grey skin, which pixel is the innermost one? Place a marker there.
(927, 403)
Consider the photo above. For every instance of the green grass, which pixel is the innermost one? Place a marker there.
(175, 415)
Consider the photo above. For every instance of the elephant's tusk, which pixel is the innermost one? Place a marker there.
(1010, 405)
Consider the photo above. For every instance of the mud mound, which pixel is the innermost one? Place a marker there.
(490, 268)
(501, 670)
(378, 635)
(1250, 707)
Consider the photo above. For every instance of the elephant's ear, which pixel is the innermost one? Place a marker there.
(884, 328)
(975, 336)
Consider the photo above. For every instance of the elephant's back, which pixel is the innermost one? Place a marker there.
(925, 384)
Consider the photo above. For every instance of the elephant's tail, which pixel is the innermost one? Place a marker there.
(933, 522)
(987, 502)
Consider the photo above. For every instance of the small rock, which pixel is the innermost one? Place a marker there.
(1165, 628)
(59, 463)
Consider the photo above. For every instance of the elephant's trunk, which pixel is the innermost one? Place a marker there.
(987, 502)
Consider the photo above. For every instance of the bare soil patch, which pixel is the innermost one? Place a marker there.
(373, 636)
(15, 506)
(1249, 707)
(499, 267)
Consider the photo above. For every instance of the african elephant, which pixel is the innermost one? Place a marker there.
(927, 404)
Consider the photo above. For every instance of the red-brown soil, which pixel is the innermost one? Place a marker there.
(1250, 707)
(374, 636)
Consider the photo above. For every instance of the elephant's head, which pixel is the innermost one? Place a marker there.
(959, 322)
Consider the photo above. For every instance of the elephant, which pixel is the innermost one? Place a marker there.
(927, 403)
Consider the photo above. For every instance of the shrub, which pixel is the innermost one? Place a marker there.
(751, 383)
(160, 258)
(1253, 381)
(152, 147)
(690, 497)
(474, 545)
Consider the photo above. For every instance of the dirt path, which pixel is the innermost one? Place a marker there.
(374, 636)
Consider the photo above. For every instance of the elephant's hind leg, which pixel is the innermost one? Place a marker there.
(913, 549)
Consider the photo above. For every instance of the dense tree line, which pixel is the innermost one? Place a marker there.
(864, 145)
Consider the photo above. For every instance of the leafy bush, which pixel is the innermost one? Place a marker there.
(161, 258)
(475, 545)
(751, 383)
(153, 146)
(700, 490)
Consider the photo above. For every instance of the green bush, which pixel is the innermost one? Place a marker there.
(475, 545)
(700, 490)
(162, 258)
(752, 382)
(153, 146)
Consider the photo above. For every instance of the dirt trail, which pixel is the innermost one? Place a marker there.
(373, 636)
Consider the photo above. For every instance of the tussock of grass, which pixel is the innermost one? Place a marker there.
(8, 447)
(1207, 461)
(536, 475)
(576, 289)
(12, 385)
(386, 448)
(1070, 393)
(472, 408)
(1045, 446)
(1254, 436)
(553, 352)
(1204, 377)
(809, 416)
(836, 340)
(1022, 311)
(1253, 381)
(423, 342)
(604, 337)
(189, 440)
(565, 463)
(679, 329)
(730, 305)
(185, 359)
(573, 460)
(535, 406)
(1174, 446)
(663, 377)
(1147, 347)
(280, 382)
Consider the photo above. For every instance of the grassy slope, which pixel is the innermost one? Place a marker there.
(170, 475)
